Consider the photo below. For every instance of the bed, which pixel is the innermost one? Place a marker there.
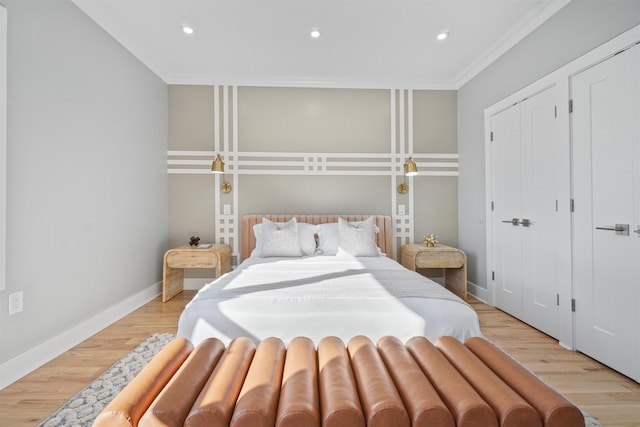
(333, 276)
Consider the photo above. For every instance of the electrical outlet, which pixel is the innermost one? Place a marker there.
(401, 210)
(15, 303)
(227, 209)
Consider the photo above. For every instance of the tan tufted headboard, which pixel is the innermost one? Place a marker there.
(382, 221)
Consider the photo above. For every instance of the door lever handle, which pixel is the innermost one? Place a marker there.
(513, 221)
(620, 229)
(526, 222)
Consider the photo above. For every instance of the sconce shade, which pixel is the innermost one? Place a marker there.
(410, 168)
(218, 165)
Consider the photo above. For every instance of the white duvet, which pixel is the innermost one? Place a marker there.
(322, 296)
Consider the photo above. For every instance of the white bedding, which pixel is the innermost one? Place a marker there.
(319, 296)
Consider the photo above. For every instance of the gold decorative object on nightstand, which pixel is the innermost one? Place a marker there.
(216, 255)
(430, 240)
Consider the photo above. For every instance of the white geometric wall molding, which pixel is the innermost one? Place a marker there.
(226, 143)
(238, 163)
(343, 164)
(402, 147)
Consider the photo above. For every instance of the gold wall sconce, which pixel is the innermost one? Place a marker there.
(218, 167)
(410, 169)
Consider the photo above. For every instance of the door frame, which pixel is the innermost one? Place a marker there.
(561, 79)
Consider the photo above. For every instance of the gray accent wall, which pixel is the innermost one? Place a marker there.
(576, 29)
(87, 190)
(312, 120)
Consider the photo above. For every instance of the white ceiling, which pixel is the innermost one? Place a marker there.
(364, 43)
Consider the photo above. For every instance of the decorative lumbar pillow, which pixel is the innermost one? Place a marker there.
(307, 237)
(328, 238)
(357, 239)
(280, 240)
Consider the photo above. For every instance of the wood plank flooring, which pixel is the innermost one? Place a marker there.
(608, 396)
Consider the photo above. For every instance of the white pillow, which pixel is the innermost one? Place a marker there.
(306, 235)
(280, 240)
(357, 239)
(328, 236)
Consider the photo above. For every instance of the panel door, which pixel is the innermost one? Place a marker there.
(506, 191)
(606, 175)
(541, 220)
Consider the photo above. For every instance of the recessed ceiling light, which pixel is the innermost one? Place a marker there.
(442, 35)
(187, 29)
(315, 33)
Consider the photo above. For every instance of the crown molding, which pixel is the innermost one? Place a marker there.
(522, 29)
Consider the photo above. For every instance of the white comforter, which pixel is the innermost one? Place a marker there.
(320, 296)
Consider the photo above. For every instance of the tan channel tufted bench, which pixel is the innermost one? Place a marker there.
(419, 384)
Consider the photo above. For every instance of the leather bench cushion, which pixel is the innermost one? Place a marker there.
(512, 410)
(464, 402)
(422, 401)
(380, 399)
(554, 409)
(417, 384)
(299, 400)
(339, 401)
(129, 405)
(174, 402)
(216, 401)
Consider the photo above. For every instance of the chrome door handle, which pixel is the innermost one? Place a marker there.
(620, 229)
(513, 221)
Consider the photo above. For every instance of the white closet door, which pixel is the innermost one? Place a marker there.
(507, 235)
(525, 186)
(606, 171)
(541, 187)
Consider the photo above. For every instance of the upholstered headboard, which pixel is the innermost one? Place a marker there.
(382, 221)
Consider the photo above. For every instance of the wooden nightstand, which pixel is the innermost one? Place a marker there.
(218, 256)
(453, 260)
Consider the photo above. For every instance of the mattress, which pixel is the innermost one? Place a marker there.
(320, 296)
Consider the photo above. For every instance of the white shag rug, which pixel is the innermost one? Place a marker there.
(85, 406)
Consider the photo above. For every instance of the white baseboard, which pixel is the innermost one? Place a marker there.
(19, 366)
(480, 293)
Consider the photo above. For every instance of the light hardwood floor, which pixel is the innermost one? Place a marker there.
(608, 396)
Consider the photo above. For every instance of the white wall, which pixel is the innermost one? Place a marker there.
(574, 30)
(87, 188)
(3, 145)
